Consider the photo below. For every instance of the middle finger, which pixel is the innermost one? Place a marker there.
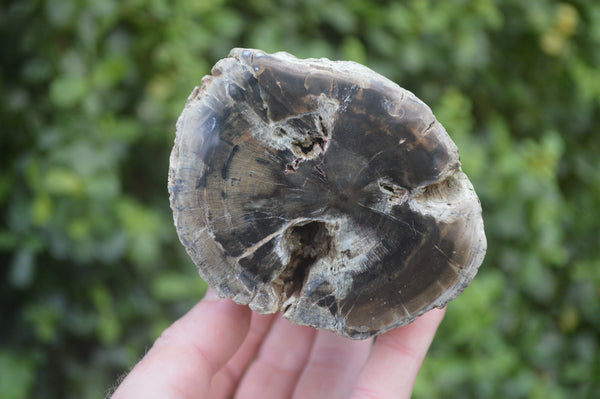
(334, 364)
(279, 363)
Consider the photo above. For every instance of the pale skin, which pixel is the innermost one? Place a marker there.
(223, 350)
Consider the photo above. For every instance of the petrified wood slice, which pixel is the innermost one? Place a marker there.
(322, 190)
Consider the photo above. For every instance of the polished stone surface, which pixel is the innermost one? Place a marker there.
(322, 190)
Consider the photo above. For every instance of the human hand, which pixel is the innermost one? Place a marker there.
(222, 350)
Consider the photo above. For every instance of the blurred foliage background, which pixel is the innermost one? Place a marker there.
(91, 268)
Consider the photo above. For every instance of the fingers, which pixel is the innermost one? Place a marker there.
(279, 364)
(198, 350)
(334, 364)
(184, 359)
(226, 380)
(397, 355)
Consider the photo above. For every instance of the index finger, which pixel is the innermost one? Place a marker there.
(183, 360)
(396, 357)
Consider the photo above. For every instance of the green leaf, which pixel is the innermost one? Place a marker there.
(178, 286)
(17, 375)
(62, 181)
(68, 91)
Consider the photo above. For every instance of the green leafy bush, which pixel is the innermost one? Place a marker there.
(90, 264)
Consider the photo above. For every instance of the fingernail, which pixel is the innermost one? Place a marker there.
(211, 295)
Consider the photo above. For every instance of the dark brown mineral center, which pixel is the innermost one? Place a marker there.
(322, 190)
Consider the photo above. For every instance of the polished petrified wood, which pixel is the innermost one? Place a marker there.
(322, 190)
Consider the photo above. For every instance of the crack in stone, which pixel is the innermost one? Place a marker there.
(307, 244)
